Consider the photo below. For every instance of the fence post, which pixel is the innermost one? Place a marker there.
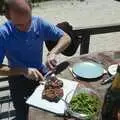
(85, 40)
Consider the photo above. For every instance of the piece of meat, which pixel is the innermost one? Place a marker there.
(52, 94)
(54, 84)
(53, 91)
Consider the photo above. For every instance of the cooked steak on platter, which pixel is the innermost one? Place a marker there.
(53, 91)
(52, 94)
(53, 84)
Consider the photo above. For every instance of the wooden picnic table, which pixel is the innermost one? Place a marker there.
(105, 58)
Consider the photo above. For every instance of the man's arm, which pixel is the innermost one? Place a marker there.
(63, 43)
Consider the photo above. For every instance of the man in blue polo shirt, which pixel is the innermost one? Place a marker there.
(21, 41)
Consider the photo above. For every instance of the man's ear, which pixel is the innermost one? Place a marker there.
(7, 15)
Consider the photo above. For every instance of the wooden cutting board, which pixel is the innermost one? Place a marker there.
(58, 108)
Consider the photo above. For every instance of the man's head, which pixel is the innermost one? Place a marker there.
(19, 12)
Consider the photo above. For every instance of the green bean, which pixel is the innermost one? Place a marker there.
(85, 103)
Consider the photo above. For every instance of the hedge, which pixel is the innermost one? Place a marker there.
(34, 1)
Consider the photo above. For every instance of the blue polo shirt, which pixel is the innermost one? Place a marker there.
(25, 49)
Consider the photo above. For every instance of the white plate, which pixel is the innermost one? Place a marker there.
(36, 100)
(88, 70)
(112, 69)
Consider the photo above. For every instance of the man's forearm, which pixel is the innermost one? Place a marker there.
(62, 44)
(7, 71)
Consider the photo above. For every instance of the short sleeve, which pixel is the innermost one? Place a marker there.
(2, 50)
(51, 32)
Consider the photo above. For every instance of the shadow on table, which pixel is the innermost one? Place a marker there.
(89, 80)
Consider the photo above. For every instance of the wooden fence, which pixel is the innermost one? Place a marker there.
(86, 32)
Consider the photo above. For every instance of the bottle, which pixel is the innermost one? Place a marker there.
(111, 103)
(116, 82)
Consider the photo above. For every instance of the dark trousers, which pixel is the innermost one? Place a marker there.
(21, 88)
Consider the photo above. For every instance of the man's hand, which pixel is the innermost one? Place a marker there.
(118, 115)
(62, 43)
(51, 61)
(34, 74)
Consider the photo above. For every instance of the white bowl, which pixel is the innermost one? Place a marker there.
(112, 69)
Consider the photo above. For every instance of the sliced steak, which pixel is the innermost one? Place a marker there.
(52, 94)
(53, 91)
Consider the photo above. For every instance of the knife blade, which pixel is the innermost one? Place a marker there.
(107, 80)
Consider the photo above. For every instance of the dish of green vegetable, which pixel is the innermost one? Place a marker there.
(86, 104)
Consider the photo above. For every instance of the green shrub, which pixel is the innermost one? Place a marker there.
(34, 1)
(1, 7)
